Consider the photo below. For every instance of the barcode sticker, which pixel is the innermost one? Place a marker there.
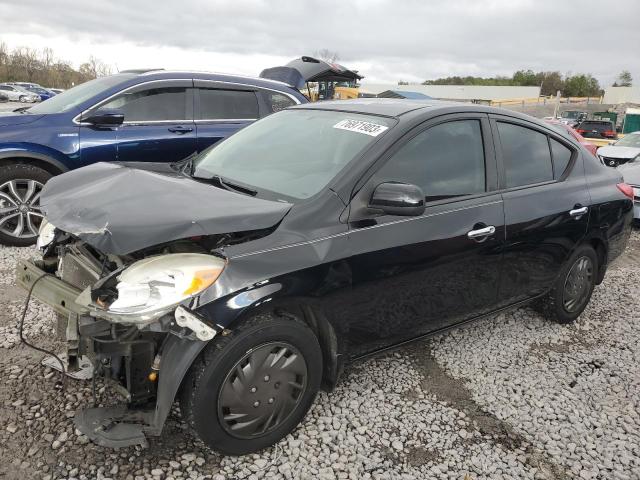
(360, 126)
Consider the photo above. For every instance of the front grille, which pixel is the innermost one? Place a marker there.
(606, 160)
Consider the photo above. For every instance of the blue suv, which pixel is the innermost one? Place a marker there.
(142, 116)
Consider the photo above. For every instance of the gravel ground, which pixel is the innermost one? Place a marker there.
(510, 397)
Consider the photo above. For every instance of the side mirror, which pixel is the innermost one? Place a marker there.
(398, 199)
(108, 117)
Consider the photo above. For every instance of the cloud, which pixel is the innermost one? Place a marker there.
(386, 40)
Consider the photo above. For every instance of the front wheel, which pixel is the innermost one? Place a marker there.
(573, 288)
(23, 99)
(252, 387)
(20, 214)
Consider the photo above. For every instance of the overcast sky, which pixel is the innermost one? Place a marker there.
(386, 40)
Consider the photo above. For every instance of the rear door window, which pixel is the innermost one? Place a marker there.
(526, 155)
(218, 104)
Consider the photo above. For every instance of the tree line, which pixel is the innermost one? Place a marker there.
(578, 85)
(24, 64)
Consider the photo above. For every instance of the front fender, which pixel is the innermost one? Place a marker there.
(178, 354)
(27, 151)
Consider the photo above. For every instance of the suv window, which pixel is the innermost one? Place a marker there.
(561, 158)
(154, 104)
(278, 101)
(218, 104)
(447, 160)
(600, 126)
(526, 155)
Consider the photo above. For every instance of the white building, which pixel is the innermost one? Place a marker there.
(457, 92)
(615, 95)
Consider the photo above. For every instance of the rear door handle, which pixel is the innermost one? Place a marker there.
(180, 130)
(578, 212)
(481, 233)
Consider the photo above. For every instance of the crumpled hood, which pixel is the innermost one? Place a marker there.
(10, 118)
(618, 152)
(119, 209)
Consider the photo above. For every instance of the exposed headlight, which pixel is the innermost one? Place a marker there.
(154, 286)
(45, 234)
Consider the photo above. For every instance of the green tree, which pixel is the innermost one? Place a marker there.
(582, 85)
(624, 79)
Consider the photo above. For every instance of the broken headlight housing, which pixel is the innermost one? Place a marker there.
(46, 233)
(156, 285)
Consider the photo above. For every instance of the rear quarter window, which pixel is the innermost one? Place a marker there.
(561, 158)
(277, 101)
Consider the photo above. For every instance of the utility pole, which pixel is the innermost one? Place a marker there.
(557, 107)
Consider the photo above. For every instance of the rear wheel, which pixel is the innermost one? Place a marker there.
(252, 387)
(20, 214)
(573, 288)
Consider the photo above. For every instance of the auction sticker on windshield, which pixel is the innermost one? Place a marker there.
(361, 126)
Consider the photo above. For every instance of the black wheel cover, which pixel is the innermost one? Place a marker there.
(262, 389)
(577, 285)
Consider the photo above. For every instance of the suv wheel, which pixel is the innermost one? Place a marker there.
(249, 389)
(20, 215)
(573, 288)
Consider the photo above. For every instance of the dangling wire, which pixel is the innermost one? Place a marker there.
(24, 340)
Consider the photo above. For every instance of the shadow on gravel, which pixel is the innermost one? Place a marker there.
(436, 381)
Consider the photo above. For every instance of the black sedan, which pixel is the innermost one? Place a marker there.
(243, 280)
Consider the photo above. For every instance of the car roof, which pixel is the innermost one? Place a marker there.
(389, 107)
(203, 75)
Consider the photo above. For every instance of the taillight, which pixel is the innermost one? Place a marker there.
(626, 189)
(609, 133)
(580, 131)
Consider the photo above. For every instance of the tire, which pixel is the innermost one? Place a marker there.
(23, 99)
(20, 186)
(210, 405)
(557, 305)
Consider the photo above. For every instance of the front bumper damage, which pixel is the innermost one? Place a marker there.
(146, 368)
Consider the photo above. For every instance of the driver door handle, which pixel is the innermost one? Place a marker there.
(180, 129)
(578, 212)
(481, 232)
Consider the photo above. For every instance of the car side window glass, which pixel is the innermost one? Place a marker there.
(561, 158)
(447, 160)
(526, 155)
(278, 101)
(155, 104)
(216, 104)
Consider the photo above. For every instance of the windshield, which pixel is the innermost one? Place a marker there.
(570, 114)
(75, 96)
(292, 153)
(632, 140)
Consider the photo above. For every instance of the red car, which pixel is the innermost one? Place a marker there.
(589, 146)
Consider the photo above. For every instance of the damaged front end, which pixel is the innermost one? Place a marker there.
(129, 319)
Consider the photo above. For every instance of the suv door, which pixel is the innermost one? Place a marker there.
(222, 109)
(546, 205)
(415, 275)
(158, 122)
